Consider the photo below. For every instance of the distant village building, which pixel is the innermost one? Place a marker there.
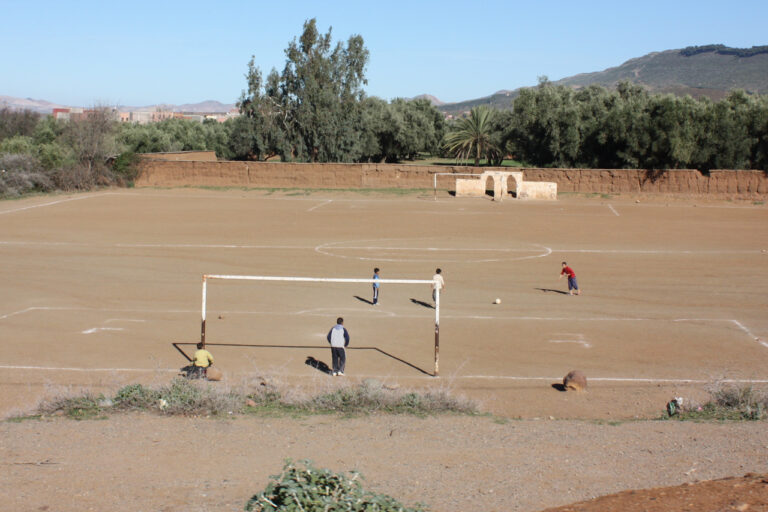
(145, 116)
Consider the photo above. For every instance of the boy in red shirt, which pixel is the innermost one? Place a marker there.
(572, 284)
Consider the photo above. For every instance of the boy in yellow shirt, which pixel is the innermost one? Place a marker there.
(201, 361)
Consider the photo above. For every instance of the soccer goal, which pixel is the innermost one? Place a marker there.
(207, 277)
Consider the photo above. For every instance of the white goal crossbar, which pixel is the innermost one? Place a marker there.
(206, 277)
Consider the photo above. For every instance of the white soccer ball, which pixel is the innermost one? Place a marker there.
(497, 301)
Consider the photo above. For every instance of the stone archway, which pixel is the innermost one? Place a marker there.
(489, 185)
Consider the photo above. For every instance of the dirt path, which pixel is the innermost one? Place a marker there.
(142, 462)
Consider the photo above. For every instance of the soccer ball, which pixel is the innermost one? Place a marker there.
(497, 301)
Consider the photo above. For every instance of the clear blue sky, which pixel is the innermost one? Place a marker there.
(139, 53)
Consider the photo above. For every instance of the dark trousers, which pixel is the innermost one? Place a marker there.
(338, 358)
(375, 294)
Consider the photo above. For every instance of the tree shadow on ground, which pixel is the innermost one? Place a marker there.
(551, 290)
(422, 303)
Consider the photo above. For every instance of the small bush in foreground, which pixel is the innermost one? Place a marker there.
(729, 403)
(302, 487)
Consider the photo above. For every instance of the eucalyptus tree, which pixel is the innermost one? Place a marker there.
(312, 109)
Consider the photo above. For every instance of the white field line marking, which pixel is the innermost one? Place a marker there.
(329, 201)
(51, 203)
(463, 377)
(577, 338)
(613, 210)
(750, 333)
(205, 246)
(327, 311)
(427, 249)
(616, 379)
(110, 310)
(97, 329)
(68, 369)
(21, 312)
(318, 312)
(303, 312)
(653, 251)
(328, 249)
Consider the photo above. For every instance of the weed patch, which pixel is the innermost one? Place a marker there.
(727, 402)
(200, 398)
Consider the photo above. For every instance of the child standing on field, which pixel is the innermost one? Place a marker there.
(338, 337)
(438, 284)
(376, 286)
(572, 284)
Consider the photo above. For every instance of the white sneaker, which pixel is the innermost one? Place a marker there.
(334, 373)
(340, 374)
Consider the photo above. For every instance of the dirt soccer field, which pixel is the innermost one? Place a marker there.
(103, 289)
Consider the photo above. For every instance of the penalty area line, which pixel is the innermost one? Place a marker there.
(617, 379)
(329, 201)
(72, 369)
(51, 203)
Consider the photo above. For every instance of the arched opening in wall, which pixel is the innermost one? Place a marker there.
(511, 186)
(489, 181)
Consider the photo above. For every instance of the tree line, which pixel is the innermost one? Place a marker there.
(556, 126)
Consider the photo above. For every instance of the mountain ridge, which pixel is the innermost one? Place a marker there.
(701, 71)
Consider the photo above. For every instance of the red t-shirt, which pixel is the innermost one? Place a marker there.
(569, 271)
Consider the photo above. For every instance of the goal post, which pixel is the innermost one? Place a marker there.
(450, 174)
(207, 277)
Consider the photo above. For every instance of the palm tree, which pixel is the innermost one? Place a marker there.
(473, 136)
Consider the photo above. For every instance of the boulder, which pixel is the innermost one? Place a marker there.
(575, 381)
(213, 373)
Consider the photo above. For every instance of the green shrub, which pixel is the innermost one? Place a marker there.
(136, 396)
(304, 488)
(183, 396)
(85, 407)
(125, 167)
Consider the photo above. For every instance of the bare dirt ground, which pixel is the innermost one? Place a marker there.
(99, 287)
(451, 463)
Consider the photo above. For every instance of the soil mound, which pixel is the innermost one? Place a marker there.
(744, 494)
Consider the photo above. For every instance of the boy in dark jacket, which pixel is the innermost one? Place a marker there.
(338, 337)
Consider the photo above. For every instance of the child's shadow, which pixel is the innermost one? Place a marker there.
(319, 365)
(551, 290)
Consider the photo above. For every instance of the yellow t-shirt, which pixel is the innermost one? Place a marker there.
(203, 358)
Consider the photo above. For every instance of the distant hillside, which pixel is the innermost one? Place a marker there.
(40, 106)
(434, 101)
(710, 71)
(46, 107)
(209, 106)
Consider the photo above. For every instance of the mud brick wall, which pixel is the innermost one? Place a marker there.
(166, 171)
(184, 156)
